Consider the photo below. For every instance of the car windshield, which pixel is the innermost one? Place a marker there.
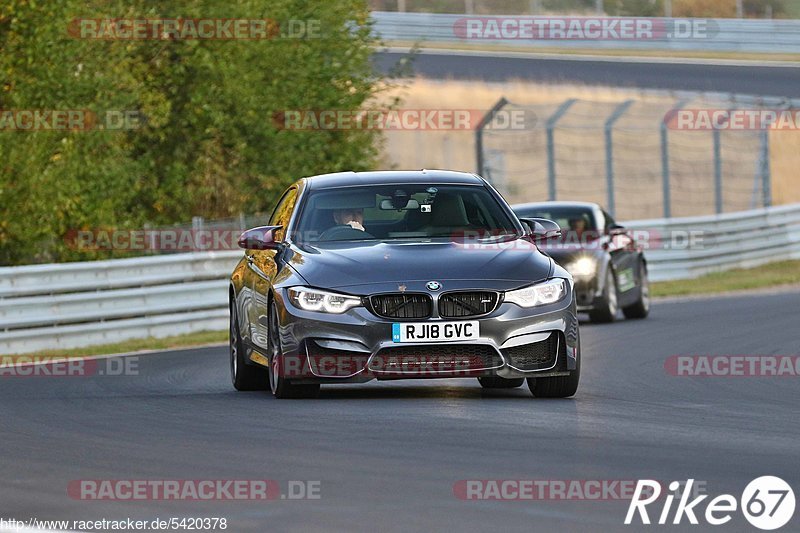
(568, 218)
(407, 211)
(574, 221)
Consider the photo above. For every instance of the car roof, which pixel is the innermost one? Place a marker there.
(540, 205)
(391, 177)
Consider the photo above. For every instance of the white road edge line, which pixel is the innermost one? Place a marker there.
(67, 359)
(766, 291)
(598, 58)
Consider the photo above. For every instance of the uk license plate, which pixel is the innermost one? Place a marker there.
(435, 331)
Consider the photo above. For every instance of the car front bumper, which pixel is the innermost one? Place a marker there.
(357, 346)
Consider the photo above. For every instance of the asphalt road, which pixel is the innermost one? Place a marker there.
(758, 80)
(388, 454)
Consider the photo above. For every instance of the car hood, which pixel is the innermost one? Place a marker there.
(378, 265)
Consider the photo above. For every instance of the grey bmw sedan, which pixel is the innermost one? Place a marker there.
(400, 275)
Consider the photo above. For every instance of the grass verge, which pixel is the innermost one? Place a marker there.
(613, 52)
(765, 276)
(134, 345)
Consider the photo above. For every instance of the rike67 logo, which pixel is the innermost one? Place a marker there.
(767, 503)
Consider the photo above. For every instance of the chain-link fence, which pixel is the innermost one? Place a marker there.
(641, 159)
(651, 155)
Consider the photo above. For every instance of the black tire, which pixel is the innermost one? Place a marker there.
(641, 308)
(606, 310)
(280, 386)
(496, 382)
(244, 376)
(559, 386)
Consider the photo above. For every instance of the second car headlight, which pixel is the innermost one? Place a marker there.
(542, 294)
(583, 267)
(322, 301)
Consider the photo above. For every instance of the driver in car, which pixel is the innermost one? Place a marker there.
(350, 217)
(577, 227)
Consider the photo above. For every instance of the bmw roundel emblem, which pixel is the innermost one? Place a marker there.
(433, 286)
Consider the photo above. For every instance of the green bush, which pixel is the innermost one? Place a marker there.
(207, 144)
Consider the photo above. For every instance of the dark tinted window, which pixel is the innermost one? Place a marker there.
(407, 211)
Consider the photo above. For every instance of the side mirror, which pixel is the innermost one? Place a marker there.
(542, 228)
(261, 238)
(616, 229)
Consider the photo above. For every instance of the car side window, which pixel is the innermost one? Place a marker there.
(283, 212)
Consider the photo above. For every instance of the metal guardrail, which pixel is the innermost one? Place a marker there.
(723, 35)
(74, 305)
(99, 302)
(724, 242)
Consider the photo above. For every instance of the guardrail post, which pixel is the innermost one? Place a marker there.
(551, 149)
(665, 176)
(609, 130)
(487, 118)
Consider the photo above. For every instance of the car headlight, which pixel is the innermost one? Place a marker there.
(583, 267)
(322, 301)
(542, 294)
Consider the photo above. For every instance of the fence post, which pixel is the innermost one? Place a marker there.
(197, 227)
(718, 198)
(766, 171)
(609, 130)
(718, 170)
(551, 149)
(665, 178)
(150, 235)
(487, 118)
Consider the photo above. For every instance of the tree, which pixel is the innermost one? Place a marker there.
(206, 145)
